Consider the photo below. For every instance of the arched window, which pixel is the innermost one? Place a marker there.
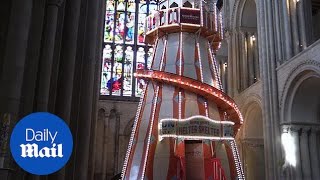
(124, 49)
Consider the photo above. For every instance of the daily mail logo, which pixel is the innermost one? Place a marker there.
(32, 150)
(41, 143)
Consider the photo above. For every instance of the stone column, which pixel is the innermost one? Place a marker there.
(226, 13)
(250, 62)
(236, 58)
(99, 142)
(302, 25)
(294, 26)
(244, 60)
(105, 148)
(278, 29)
(304, 149)
(308, 21)
(230, 64)
(87, 94)
(271, 83)
(116, 139)
(314, 155)
(46, 60)
(256, 58)
(261, 20)
(33, 57)
(66, 71)
(68, 58)
(97, 79)
(110, 143)
(12, 75)
(286, 33)
(294, 130)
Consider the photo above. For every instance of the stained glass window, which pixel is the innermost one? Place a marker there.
(124, 49)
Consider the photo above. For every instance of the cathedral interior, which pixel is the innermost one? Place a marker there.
(78, 59)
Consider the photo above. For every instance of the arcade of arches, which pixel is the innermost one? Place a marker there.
(76, 59)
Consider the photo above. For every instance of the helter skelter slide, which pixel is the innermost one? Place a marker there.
(185, 125)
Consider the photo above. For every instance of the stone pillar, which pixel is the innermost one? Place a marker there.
(278, 28)
(236, 56)
(261, 27)
(268, 67)
(12, 77)
(66, 74)
(226, 14)
(273, 86)
(304, 149)
(99, 144)
(110, 144)
(314, 155)
(244, 60)
(308, 21)
(117, 169)
(68, 58)
(96, 90)
(33, 57)
(105, 148)
(87, 94)
(230, 61)
(302, 25)
(286, 33)
(294, 130)
(250, 62)
(46, 60)
(294, 26)
(256, 57)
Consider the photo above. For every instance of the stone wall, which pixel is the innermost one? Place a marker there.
(112, 136)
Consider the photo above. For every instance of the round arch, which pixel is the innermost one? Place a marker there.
(252, 146)
(297, 87)
(101, 114)
(247, 103)
(243, 9)
(245, 42)
(253, 127)
(302, 101)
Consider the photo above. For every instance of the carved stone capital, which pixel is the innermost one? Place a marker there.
(285, 129)
(295, 129)
(305, 130)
